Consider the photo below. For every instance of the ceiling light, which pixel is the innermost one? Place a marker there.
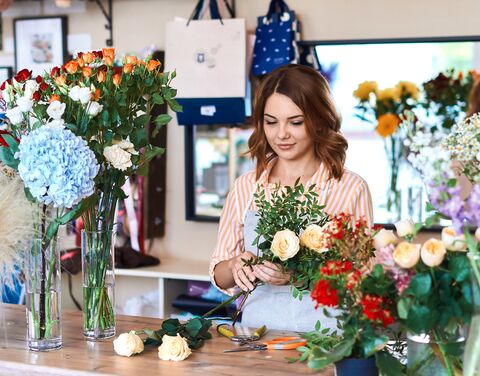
(63, 3)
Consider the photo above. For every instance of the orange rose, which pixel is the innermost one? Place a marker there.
(109, 52)
(128, 68)
(108, 61)
(71, 67)
(96, 94)
(54, 97)
(101, 76)
(88, 57)
(152, 65)
(87, 71)
(131, 59)
(117, 78)
(61, 80)
(80, 62)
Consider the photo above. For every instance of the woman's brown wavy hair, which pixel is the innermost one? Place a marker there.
(310, 92)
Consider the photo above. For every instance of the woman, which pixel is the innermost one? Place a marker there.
(296, 136)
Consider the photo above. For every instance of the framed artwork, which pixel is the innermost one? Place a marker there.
(40, 43)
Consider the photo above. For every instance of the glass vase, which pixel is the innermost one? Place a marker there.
(43, 295)
(98, 277)
(471, 361)
(435, 354)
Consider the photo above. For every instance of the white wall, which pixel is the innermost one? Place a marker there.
(140, 23)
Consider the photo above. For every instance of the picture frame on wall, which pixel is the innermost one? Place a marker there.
(40, 43)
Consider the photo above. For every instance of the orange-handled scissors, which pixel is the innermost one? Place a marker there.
(280, 343)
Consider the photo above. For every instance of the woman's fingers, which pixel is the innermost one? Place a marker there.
(271, 276)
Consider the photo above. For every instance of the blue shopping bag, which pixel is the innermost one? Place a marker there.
(276, 35)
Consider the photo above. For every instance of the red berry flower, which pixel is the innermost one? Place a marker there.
(336, 267)
(373, 309)
(324, 295)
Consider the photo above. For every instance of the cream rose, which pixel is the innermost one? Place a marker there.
(94, 108)
(127, 146)
(74, 93)
(452, 241)
(315, 238)
(384, 238)
(174, 348)
(404, 227)
(433, 252)
(406, 255)
(84, 95)
(128, 344)
(56, 109)
(285, 244)
(477, 233)
(117, 157)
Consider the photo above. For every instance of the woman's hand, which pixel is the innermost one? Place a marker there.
(242, 274)
(271, 273)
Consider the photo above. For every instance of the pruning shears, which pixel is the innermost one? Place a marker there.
(241, 335)
(279, 343)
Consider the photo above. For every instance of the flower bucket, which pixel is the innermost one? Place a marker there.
(356, 367)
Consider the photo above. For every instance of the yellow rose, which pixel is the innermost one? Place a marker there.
(384, 238)
(409, 89)
(174, 348)
(365, 89)
(315, 238)
(387, 124)
(285, 244)
(405, 227)
(128, 344)
(452, 241)
(433, 252)
(406, 255)
(390, 93)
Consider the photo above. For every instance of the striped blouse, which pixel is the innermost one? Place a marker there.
(350, 194)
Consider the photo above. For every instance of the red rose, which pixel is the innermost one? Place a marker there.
(43, 86)
(4, 83)
(2, 141)
(324, 295)
(54, 72)
(36, 96)
(23, 75)
(38, 79)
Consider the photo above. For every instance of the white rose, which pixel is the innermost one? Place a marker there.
(384, 238)
(56, 123)
(174, 348)
(477, 233)
(452, 241)
(128, 344)
(31, 86)
(127, 146)
(285, 244)
(315, 238)
(94, 108)
(405, 227)
(117, 157)
(433, 252)
(7, 95)
(16, 85)
(25, 104)
(14, 115)
(478, 156)
(74, 93)
(84, 95)
(56, 109)
(406, 255)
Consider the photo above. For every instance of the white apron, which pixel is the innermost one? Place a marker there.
(275, 306)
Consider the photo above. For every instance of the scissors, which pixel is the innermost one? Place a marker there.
(235, 333)
(279, 343)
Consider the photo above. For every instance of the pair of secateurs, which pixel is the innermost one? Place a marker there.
(241, 335)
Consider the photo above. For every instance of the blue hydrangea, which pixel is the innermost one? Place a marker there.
(56, 166)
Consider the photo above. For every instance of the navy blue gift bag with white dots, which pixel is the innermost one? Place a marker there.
(275, 39)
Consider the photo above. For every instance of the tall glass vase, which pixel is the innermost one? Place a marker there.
(394, 150)
(435, 354)
(471, 361)
(98, 276)
(43, 289)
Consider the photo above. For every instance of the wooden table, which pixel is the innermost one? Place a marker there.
(81, 357)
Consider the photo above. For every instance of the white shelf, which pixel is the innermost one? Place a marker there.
(171, 268)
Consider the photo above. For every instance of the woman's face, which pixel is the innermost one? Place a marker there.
(285, 129)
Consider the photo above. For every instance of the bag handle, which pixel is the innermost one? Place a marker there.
(214, 11)
(281, 5)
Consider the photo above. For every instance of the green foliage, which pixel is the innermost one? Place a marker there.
(195, 331)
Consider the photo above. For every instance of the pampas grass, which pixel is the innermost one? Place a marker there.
(16, 226)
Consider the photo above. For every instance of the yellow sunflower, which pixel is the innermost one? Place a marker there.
(364, 89)
(390, 93)
(387, 124)
(408, 88)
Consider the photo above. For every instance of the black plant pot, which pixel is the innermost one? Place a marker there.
(356, 367)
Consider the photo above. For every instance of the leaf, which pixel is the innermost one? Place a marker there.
(420, 285)
(171, 325)
(193, 327)
(162, 119)
(403, 307)
(174, 105)
(420, 318)
(7, 155)
(152, 151)
(459, 268)
(157, 99)
(389, 365)
(372, 344)
(141, 121)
